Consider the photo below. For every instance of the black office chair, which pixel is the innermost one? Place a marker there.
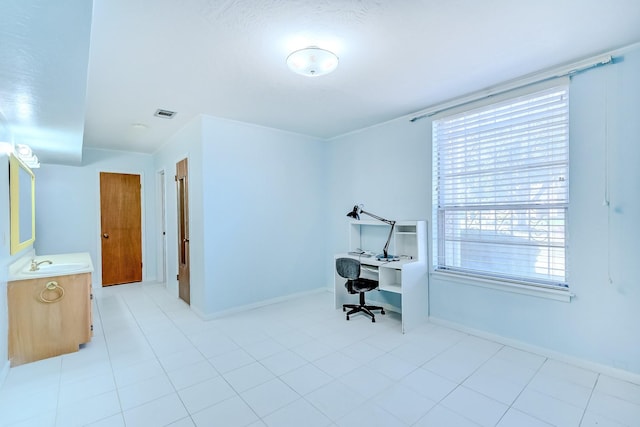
(349, 268)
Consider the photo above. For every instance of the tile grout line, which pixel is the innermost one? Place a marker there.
(586, 407)
(460, 384)
(113, 375)
(175, 390)
(220, 374)
(522, 391)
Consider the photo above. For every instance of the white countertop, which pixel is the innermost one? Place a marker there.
(61, 265)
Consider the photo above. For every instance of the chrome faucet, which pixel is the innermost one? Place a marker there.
(34, 264)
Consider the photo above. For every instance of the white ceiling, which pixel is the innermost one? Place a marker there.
(226, 58)
(44, 51)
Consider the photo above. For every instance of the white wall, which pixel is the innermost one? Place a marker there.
(602, 324)
(68, 206)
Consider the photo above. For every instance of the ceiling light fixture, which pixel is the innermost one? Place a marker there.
(139, 126)
(312, 61)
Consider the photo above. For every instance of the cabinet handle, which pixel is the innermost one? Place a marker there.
(105, 235)
(52, 286)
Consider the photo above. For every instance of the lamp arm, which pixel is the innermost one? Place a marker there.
(386, 221)
(385, 251)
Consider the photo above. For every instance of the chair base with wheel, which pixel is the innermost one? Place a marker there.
(362, 307)
(350, 269)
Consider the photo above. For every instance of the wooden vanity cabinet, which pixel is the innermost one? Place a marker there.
(48, 316)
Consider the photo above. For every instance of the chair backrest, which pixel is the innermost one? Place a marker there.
(348, 268)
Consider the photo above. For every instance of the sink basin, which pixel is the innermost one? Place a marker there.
(61, 265)
(58, 268)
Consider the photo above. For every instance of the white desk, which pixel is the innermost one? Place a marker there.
(406, 277)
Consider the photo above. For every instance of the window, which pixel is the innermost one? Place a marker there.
(501, 190)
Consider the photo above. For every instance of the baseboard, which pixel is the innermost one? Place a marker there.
(542, 351)
(241, 308)
(4, 372)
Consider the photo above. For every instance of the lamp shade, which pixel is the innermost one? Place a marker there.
(312, 61)
(355, 213)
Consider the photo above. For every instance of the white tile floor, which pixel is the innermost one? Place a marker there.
(152, 362)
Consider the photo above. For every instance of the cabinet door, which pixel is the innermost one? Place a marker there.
(46, 322)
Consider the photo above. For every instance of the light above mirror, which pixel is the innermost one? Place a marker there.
(25, 154)
(312, 61)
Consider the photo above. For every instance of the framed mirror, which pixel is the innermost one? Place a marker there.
(22, 186)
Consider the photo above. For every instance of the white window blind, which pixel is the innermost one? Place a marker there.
(501, 189)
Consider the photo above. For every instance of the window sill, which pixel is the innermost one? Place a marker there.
(505, 286)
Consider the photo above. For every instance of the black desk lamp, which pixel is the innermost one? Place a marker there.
(355, 213)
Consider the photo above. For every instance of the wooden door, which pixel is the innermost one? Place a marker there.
(121, 225)
(182, 182)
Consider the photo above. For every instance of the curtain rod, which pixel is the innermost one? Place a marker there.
(563, 71)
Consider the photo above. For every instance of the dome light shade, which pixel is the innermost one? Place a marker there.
(312, 61)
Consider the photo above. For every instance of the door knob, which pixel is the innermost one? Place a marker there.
(105, 235)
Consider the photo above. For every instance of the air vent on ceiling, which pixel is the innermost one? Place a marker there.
(166, 114)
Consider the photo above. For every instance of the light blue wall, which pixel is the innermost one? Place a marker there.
(187, 143)
(5, 260)
(5, 257)
(68, 206)
(5, 247)
(256, 212)
(602, 324)
(264, 204)
(386, 168)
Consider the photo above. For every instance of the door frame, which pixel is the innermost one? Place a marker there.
(98, 265)
(161, 206)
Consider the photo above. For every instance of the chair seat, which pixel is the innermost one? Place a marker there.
(360, 285)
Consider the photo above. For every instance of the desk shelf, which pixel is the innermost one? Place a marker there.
(407, 277)
(396, 288)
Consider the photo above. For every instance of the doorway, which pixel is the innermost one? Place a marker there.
(121, 228)
(182, 183)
